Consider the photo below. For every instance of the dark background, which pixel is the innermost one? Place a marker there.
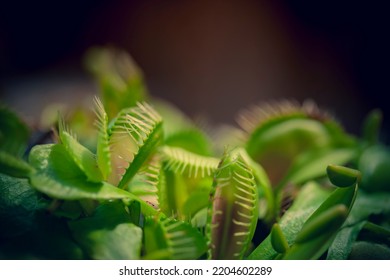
(207, 57)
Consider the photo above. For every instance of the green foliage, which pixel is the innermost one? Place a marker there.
(14, 166)
(343, 176)
(14, 137)
(368, 207)
(108, 234)
(81, 156)
(308, 200)
(171, 239)
(18, 206)
(14, 134)
(374, 164)
(313, 164)
(318, 232)
(71, 183)
(278, 240)
(150, 183)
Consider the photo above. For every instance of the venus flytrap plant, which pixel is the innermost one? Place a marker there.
(134, 134)
(232, 215)
(83, 177)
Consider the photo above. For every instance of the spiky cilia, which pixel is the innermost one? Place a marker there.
(233, 211)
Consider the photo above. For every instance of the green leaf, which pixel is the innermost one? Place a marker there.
(329, 220)
(343, 176)
(82, 157)
(318, 242)
(171, 239)
(369, 251)
(365, 206)
(368, 204)
(59, 177)
(331, 214)
(233, 210)
(312, 164)
(18, 206)
(278, 240)
(377, 232)
(103, 150)
(108, 234)
(14, 166)
(308, 200)
(134, 209)
(344, 196)
(342, 245)
(14, 134)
